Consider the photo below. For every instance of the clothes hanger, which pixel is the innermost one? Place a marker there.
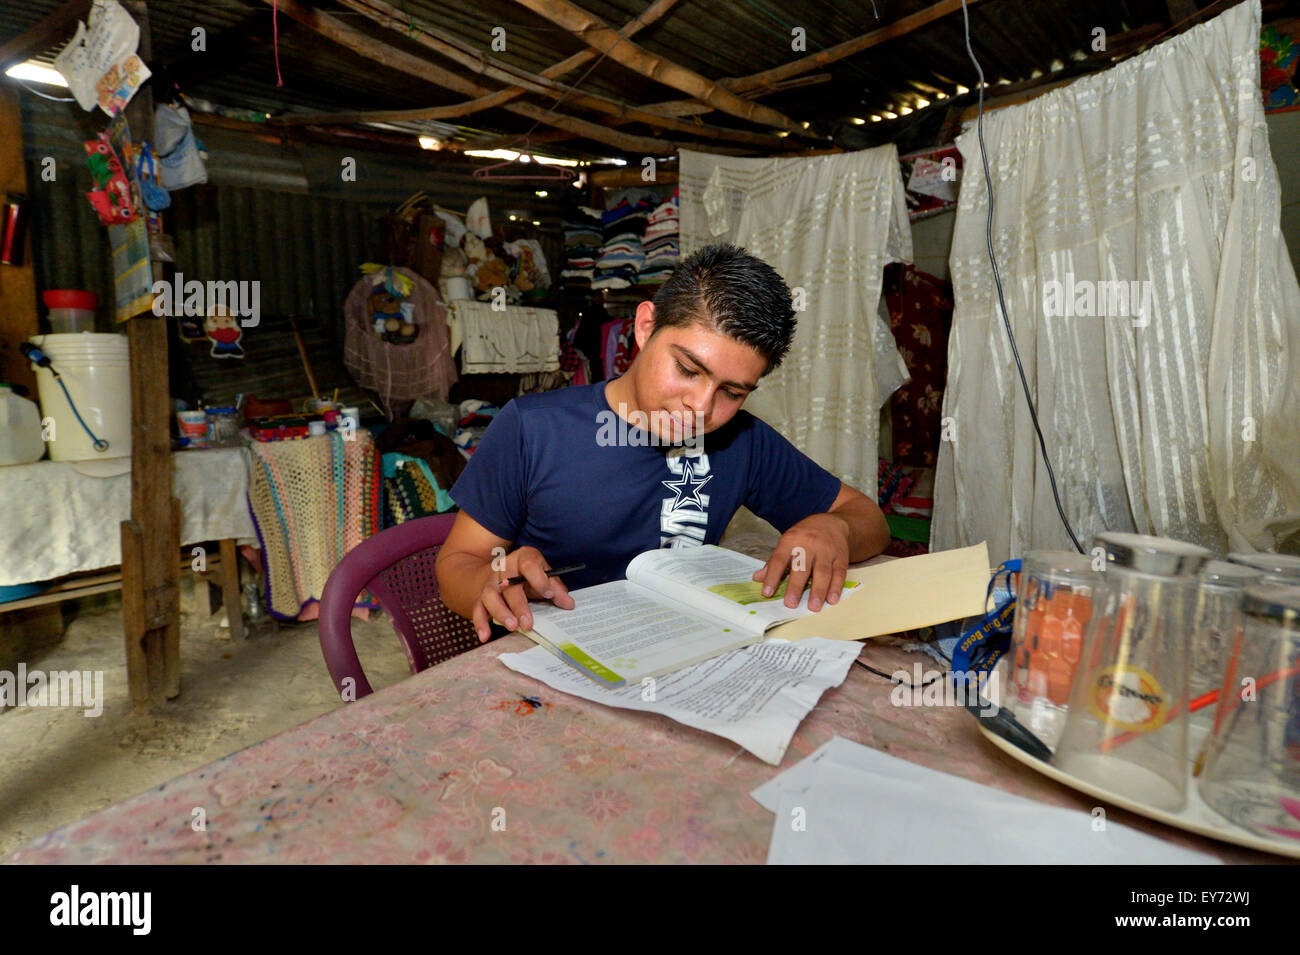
(553, 174)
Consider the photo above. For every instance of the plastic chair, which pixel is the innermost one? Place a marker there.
(397, 567)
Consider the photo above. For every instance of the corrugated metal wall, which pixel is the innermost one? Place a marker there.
(278, 213)
(304, 251)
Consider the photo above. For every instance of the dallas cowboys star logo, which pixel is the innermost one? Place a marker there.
(687, 490)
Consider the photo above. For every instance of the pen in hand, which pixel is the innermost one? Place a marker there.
(553, 572)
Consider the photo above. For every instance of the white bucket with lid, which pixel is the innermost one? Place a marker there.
(96, 369)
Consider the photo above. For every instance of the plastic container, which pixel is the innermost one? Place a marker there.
(350, 419)
(193, 427)
(459, 289)
(20, 429)
(316, 428)
(96, 370)
(223, 427)
(71, 310)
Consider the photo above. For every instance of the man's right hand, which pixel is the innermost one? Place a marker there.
(508, 604)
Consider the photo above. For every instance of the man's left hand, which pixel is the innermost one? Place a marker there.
(817, 550)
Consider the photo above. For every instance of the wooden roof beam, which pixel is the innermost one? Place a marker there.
(453, 48)
(346, 36)
(771, 81)
(594, 32)
(49, 31)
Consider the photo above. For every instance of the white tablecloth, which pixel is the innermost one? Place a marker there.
(60, 521)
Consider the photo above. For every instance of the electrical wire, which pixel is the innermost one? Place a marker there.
(997, 280)
(893, 679)
(56, 99)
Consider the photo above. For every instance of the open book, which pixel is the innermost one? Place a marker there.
(677, 607)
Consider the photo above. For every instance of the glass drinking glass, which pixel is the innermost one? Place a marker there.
(1218, 615)
(1252, 770)
(1126, 729)
(1053, 606)
(1278, 568)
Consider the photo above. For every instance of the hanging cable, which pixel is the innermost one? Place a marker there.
(35, 92)
(99, 444)
(42, 360)
(997, 281)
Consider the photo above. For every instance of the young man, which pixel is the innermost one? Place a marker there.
(660, 457)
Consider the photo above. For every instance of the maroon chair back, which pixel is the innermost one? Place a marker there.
(397, 567)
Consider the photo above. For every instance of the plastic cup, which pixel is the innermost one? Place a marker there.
(194, 426)
(1252, 771)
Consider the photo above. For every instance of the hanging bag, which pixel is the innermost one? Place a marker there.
(156, 198)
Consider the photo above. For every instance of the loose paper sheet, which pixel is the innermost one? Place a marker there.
(902, 594)
(851, 804)
(755, 696)
(100, 63)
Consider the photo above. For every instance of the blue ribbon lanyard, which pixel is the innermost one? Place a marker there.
(983, 645)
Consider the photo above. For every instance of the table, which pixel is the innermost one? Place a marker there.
(65, 524)
(452, 765)
(60, 521)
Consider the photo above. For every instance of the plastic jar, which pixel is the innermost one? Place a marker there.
(71, 310)
(223, 427)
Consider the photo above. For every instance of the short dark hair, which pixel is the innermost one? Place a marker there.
(724, 287)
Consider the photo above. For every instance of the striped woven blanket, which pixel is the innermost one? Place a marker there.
(313, 500)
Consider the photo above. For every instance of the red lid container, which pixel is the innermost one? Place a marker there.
(70, 298)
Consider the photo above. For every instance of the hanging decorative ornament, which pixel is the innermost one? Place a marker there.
(224, 331)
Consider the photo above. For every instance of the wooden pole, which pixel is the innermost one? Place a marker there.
(151, 538)
(302, 352)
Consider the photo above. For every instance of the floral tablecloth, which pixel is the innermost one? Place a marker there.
(472, 762)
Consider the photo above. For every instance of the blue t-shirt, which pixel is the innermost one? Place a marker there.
(545, 475)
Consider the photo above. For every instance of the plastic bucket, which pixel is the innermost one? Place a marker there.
(96, 369)
(459, 289)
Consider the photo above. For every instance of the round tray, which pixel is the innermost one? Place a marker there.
(1195, 817)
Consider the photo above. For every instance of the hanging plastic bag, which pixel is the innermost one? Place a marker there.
(180, 163)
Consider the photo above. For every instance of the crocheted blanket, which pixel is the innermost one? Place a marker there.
(312, 500)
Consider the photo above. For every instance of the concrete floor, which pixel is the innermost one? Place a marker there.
(60, 765)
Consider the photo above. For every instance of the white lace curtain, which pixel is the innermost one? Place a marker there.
(828, 225)
(1188, 426)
